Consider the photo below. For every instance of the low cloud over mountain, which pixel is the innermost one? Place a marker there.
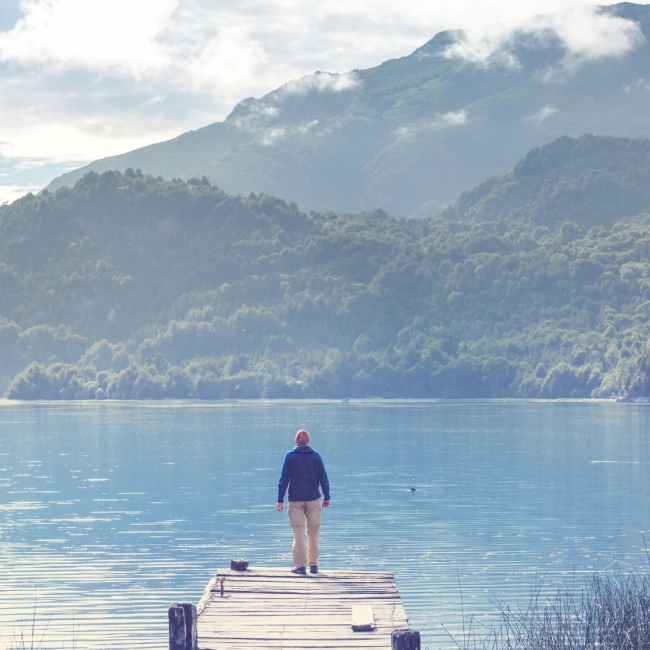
(412, 133)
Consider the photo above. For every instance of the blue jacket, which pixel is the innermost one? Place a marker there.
(303, 471)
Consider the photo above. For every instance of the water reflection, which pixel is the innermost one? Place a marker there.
(108, 512)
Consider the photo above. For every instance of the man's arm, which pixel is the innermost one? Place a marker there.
(283, 483)
(324, 483)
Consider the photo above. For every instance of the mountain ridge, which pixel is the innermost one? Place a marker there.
(600, 194)
(412, 133)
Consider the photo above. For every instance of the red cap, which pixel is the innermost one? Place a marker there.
(302, 437)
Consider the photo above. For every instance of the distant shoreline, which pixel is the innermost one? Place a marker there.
(352, 401)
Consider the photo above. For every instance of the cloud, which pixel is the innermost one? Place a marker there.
(441, 121)
(485, 46)
(83, 79)
(543, 113)
(117, 37)
(271, 136)
(230, 63)
(305, 128)
(453, 118)
(154, 100)
(58, 141)
(592, 33)
(9, 193)
(639, 84)
(585, 32)
(320, 82)
(155, 41)
(253, 116)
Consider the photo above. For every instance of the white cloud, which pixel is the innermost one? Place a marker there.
(271, 136)
(586, 32)
(255, 116)
(544, 112)
(157, 41)
(483, 46)
(9, 193)
(321, 82)
(591, 33)
(82, 79)
(442, 121)
(305, 128)
(154, 100)
(231, 64)
(453, 118)
(57, 142)
(116, 37)
(639, 84)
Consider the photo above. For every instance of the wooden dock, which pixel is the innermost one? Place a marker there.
(264, 608)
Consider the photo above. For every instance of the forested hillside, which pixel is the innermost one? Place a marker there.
(535, 284)
(593, 181)
(414, 132)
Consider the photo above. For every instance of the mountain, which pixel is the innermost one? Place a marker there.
(530, 285)
(413, 133)
(590, 181)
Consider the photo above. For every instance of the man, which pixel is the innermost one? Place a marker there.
(302, 472)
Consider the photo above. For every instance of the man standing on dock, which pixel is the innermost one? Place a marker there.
(303, 472)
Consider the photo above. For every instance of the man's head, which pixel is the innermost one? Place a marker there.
(302, 437)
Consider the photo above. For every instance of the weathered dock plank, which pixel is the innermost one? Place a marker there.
(265, 608)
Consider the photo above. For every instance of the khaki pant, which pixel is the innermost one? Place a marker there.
(299, 512)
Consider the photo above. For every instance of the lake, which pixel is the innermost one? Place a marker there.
(110, 511)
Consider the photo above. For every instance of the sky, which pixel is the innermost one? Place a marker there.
(85, 79)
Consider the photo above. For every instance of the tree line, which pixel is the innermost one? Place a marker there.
(131, 287)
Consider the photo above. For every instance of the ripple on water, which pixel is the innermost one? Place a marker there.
(149, 499)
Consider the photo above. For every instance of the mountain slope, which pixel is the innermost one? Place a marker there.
(588, 181)
(412, 133)
(126, 286)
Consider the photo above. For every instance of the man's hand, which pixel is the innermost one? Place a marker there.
(326, 503)
(280, 506)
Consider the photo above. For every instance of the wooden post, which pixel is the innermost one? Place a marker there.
(182, 627)
(406, 639)
(238, 565)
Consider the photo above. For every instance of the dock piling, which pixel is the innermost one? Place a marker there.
(183, 627)
(406, 639)
(238, 565)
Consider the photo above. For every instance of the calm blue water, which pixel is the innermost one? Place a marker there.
(108, 512)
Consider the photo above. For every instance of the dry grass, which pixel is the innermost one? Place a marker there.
(610, 612)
